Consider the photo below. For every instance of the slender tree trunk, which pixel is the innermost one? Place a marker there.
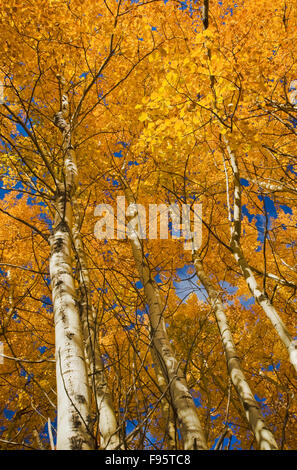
(238, 254)
(263, 435)
(170, 437)
(74, 426)
(72, 381)
(108, 427)
(191, 430)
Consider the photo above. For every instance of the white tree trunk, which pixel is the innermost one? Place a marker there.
(191, 430)
(170, 434)
(263, 435)
(108, 427)
(238, 254)
(74, 430)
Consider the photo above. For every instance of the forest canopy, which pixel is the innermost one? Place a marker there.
(148, 267)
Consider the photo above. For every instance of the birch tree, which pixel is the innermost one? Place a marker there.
(138, 343)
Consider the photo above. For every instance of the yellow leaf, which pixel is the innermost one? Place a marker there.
(144, 117)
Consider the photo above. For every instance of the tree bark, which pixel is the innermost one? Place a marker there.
(263, 435)
(191, 430)
(108, 427)
(73, 397)
(259, 295)
(170, 435)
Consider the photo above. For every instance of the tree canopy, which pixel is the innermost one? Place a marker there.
(126, 341)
